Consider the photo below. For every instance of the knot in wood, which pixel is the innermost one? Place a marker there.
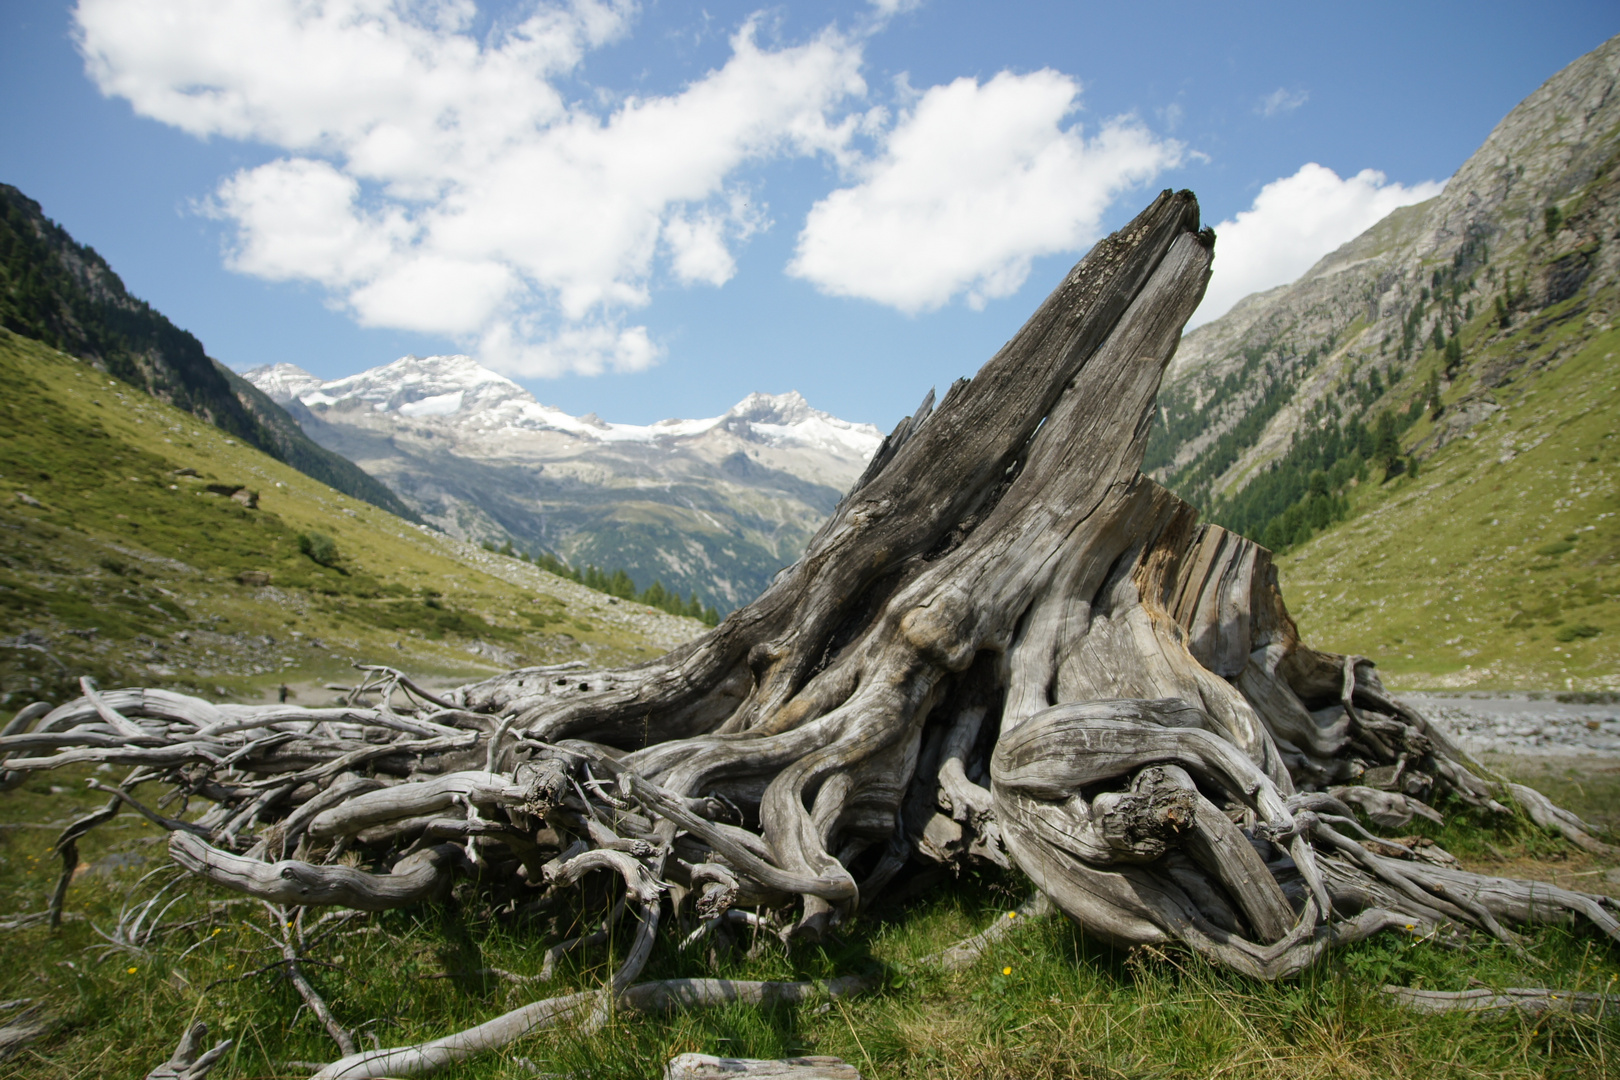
(762, 656)
(1145, 822)
(941, 630)
(544, 782)
(290, 872)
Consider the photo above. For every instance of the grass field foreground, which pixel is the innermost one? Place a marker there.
(1044, 1003)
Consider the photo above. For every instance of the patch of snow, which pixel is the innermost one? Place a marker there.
(437, 405)
(282, 382)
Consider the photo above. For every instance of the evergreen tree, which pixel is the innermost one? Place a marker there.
(1386, 444)
(1435, 405)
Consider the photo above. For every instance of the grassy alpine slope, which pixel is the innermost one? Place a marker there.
(116, 560)
(60, 292)
(1498, 565)
(1423, 424)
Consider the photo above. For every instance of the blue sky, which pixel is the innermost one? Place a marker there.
(650, 210)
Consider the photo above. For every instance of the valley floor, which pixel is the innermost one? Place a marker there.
(1528, 724)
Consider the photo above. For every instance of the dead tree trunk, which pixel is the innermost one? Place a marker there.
(1006, 643)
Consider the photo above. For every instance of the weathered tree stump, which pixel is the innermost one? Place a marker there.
(1006, 644)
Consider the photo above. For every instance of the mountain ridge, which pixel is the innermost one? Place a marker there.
(1362, 307)
(1344, 419)
(714, 505)
(62, 293)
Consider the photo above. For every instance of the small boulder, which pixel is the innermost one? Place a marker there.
(238, 492)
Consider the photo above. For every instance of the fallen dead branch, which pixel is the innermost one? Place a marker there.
(1535, 1001)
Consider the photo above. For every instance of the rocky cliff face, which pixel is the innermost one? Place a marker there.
(1528, 220)
(715, 505)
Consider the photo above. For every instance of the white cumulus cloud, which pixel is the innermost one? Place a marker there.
(436, 178)
(1295, 220)
(969, 185)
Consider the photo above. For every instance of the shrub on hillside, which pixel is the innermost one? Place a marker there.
(320, 548)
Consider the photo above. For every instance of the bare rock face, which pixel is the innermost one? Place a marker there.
(714, 505)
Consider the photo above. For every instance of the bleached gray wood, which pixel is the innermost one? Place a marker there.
(189, 1060)
(414, 879)
(710, 1067)
(22, 1028)
(1533, 1001)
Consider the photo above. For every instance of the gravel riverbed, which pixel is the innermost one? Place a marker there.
(1526, 724)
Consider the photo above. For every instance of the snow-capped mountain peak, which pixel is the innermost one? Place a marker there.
(716, 504)
(458, 391)
(283, 382)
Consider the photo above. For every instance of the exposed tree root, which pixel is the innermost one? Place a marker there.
(709, 1067)
(1006, 644)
